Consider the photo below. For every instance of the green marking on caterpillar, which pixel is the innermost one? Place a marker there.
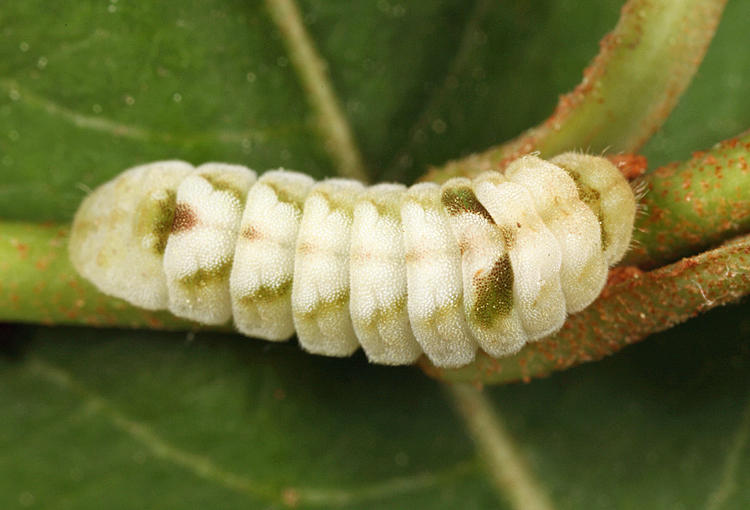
(286, 194)
(203, 277)
(330, 305)
(220, 184)
(267, 293)
(494, 293)
(593, 199)
(155, 217)
(396, 309)
(462, 199)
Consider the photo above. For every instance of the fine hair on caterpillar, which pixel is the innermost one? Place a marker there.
(492, 262)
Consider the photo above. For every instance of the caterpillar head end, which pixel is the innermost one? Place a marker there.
(602, 187)
(120, 231)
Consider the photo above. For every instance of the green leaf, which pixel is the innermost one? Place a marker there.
(120, 419)
(626, 93)
(143, 420)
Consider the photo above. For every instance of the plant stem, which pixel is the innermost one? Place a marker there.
(38, 284)
(634, 305)
(690, 205)
(627, 92)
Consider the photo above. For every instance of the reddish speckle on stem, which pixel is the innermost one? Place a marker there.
(42, 264)
(621, 274)
(631, 165)
(22, 248)
(154, 322)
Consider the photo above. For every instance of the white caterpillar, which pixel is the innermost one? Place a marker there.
(489, 263)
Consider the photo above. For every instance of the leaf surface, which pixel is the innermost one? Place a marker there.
(128, 419)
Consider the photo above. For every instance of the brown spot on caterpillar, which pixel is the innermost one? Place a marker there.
(417, 254)
(463, 200)
(412, 256)
(305, 248)
(251, 233)
(463, 245)
(356, 256)
(184, 218)
(494, 293)
(509, 236)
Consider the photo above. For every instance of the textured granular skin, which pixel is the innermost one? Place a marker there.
(485, 264)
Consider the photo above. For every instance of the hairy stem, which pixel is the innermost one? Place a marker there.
(38, 284)
(627, 92)
(634, 305)
(689, 206)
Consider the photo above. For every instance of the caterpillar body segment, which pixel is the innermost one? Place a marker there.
(604, 190)
(434, 279)
(489, 263)
(583, 268)
(200, 250)
(487, 274)
(377, 271)
(320, 291)
(533, 251)
(121, 230)
(261, 280)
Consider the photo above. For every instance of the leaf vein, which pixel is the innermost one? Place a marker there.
(311, 69)
(204, 468)
(508, 471)
(122, 130)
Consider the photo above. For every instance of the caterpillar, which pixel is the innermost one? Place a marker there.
(441, 270)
